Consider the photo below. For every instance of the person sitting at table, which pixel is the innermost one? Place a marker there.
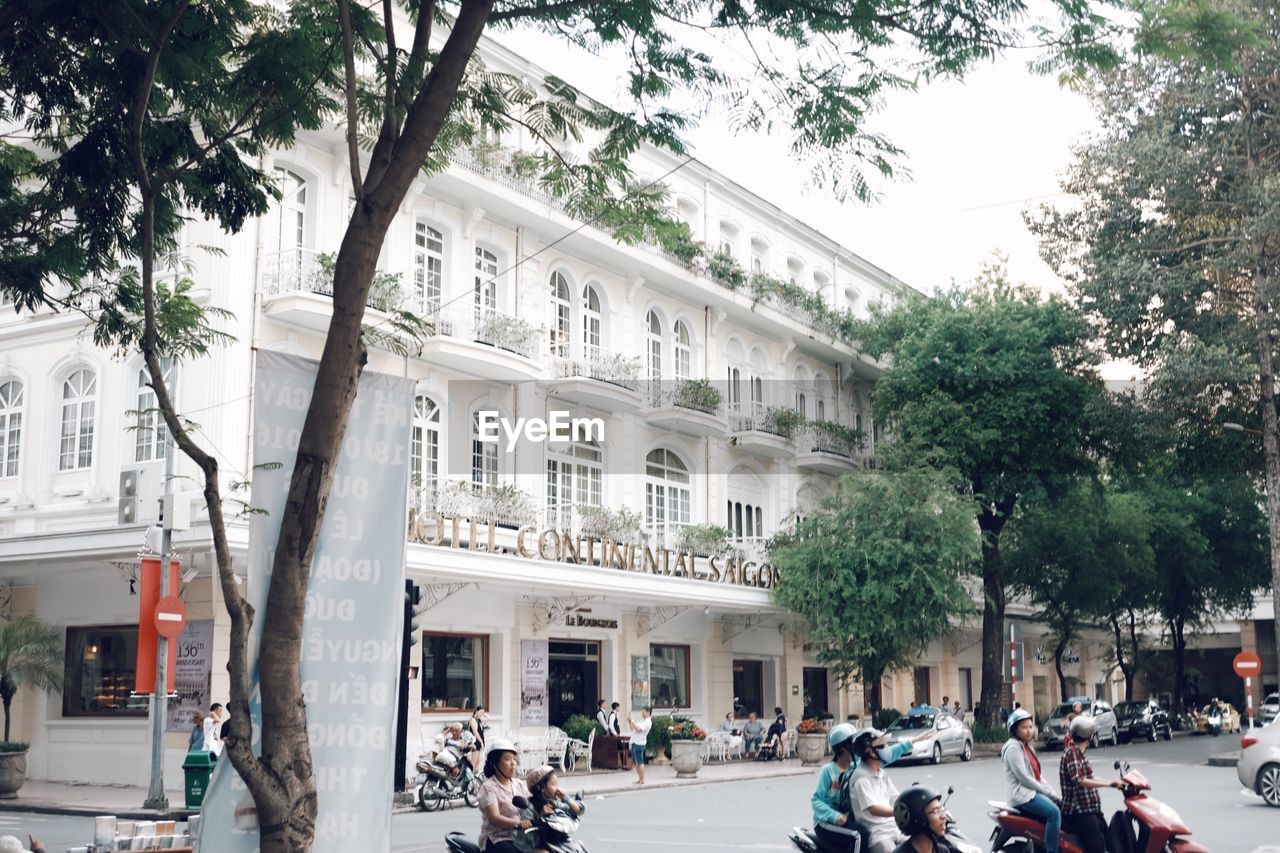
(727, 725)
(752, 734)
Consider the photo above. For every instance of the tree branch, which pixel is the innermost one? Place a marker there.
(349, 95)
(549, 9)
(139, 112)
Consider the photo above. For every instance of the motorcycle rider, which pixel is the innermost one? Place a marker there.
(1025, 788)
(922, 818)
(873, 793)
(500, 820)
(1081, 806)
(461, 741)
(830, 801)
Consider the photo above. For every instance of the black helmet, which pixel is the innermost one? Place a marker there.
(909, 810)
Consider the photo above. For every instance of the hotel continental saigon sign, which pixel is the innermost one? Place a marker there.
(563, 546)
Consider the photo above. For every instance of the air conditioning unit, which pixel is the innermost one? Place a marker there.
(139, 495)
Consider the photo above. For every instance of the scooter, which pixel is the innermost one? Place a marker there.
(1144, 825)
(457, 842)
(1214, 723)
(853, 836)
(447, 777)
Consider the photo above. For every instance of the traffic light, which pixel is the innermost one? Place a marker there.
(415, 606)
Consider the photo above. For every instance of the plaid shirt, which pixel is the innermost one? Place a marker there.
(1072, 771)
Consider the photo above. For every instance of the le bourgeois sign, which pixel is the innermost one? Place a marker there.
(563, 546)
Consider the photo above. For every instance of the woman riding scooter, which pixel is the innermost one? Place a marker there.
(1026, 790)
(500, 819)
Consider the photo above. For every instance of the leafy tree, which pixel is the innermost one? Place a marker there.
(997, 384)
(1171, 242)
(30, 656)
(874, 573)
(138, 115)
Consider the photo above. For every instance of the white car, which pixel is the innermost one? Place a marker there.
(1259, 765)
(950, 736)
(1269, 710)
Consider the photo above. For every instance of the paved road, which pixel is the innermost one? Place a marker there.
(755, 815)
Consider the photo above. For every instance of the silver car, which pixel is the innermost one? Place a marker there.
(949, 735)
(1269, 710)
(1259, 765)
(1056, 727)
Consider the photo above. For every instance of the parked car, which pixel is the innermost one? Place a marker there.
(950, 736)
(1269, 710)
(1259, 765)
(1143, 719)
(1056, 727)
(1230, 719)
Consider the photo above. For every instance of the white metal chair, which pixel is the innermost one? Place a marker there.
(557, 747)
(579, 750)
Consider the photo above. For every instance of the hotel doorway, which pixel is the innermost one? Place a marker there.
(815, 691)
(573, 679)
(748, 688)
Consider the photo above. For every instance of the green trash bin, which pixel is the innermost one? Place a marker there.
(197, 767)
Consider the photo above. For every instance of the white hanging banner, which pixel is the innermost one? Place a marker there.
(533, 682)
(354, 609)
(191, 677)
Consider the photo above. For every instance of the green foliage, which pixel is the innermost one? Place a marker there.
(620, 525)
(698, 394)
(885, 717)
(14, 746)
(30, 656)
(984, 732)
(705, 540)
(658, 741)
(840, 433)
(580, 727)
(874, 571)
(683, 728)
(783, 420)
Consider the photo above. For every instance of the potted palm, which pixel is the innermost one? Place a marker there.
(686, 747)
(30, 656)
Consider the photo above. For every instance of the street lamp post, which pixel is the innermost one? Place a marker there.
(1271, 476)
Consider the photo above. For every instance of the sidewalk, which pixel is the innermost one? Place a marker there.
(92, 800)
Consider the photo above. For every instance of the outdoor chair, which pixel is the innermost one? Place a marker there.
(557, 746)
(579, 750)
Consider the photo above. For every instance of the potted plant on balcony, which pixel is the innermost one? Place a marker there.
(782, 420)
(509, 333)
(30, 656)
(600, 522)
(686, 747)
(812, 743)
(705, 540)
(698, 394)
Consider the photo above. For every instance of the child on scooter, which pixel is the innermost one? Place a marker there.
(554, 815)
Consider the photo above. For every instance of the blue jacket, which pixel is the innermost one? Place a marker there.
(832, 782)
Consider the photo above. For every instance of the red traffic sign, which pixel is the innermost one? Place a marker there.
(1247, 665)
(171, 616)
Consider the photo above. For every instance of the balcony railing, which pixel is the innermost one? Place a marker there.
(749, 547)
(697, 395)
(487, 326)
(595, 362)
(812, 439)
(308, 271)
(755, 416)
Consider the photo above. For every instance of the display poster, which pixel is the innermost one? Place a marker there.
(354, 610)
(191, 676)
(533, 682)
(639, 682)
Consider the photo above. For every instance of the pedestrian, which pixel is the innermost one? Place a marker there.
(213, 729)
(602, 716)
(1025, 787)
(946, 704)
(639, 740)
(195, 742)
(615, 726)
(476, 725)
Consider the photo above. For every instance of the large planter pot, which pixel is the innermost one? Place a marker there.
(812, 748)
(686, 757)
(13, 773)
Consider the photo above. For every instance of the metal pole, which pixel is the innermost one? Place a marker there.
(160, 695)
(402, 714)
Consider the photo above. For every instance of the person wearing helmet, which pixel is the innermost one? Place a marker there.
(554, 815)
(873, 793)
(500, 820)
(1081, 806)
(920, 816)
(833, 778)
(1026, 790)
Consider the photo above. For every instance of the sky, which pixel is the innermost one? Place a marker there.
(979, 150)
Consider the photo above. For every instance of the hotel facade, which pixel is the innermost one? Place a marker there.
(589, 544)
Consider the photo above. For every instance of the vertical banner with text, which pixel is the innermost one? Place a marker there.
(353, 613)
(639, 682)
(533, 682)
(191, 676)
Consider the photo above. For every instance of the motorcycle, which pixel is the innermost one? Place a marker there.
(1144, 825)
(853, 836)
(1214, 723)
(457, 842)
(447, 777)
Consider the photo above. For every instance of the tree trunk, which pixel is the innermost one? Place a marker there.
(1133, 657)
(1270, 440)
(1178, 638)
(8, 700)
(991, 523)
(874, 695)
(1125, 667)
(1058, 651)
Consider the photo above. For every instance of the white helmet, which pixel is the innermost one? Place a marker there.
(1016, 717)
(840, 734)
(501, 745)
(1083, 728)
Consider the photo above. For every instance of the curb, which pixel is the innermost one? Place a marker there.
(1224, 759)
(46, 807)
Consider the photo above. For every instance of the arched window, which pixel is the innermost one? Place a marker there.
(653, 364)
(808, 496)
(288, 227)
(428, 266)
(683, 351)
(802, 404)
(668, 494)
(735, 386)
(484, 458)
(11, 409)
(820, 409)
(486, 282)
(591, 321)
(575, 478)
(79, 410)
(424, 472)
(150, 435)
(745, 506)
(561, 321)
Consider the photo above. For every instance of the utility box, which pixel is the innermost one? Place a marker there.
(197, 767)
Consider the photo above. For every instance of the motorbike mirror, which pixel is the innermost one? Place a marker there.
(1117, 765)
(520, 802)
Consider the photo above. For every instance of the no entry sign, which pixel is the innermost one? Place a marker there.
(171, 616)
(1247, 665)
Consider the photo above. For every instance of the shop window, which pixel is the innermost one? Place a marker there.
(99, 672)
(669, 676)
(455, 671)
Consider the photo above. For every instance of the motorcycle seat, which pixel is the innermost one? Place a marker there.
(456, 842)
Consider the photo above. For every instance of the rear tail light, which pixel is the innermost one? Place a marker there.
(1247, 741)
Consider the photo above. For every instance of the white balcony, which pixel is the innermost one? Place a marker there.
(595, 376)
(761, 430)
(826, 452)
(690, 406)
(297, 286)
(483, 342)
